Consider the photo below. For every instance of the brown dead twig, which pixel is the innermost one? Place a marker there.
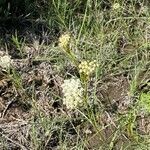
(8, 105)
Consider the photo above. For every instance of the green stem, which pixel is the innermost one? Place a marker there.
(71, 56)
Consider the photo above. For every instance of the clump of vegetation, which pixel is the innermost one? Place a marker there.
(74, 74)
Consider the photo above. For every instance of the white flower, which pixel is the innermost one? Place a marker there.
(64, 40)
(5, 61)
(87, 67)
(73, 91)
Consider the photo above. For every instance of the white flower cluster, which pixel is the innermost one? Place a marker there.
(73, 91)
(5, 61)
(87, 67)
(64, 40)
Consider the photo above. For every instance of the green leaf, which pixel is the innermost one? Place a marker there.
(145, 101)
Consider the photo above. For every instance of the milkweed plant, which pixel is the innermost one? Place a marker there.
(75, 90)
